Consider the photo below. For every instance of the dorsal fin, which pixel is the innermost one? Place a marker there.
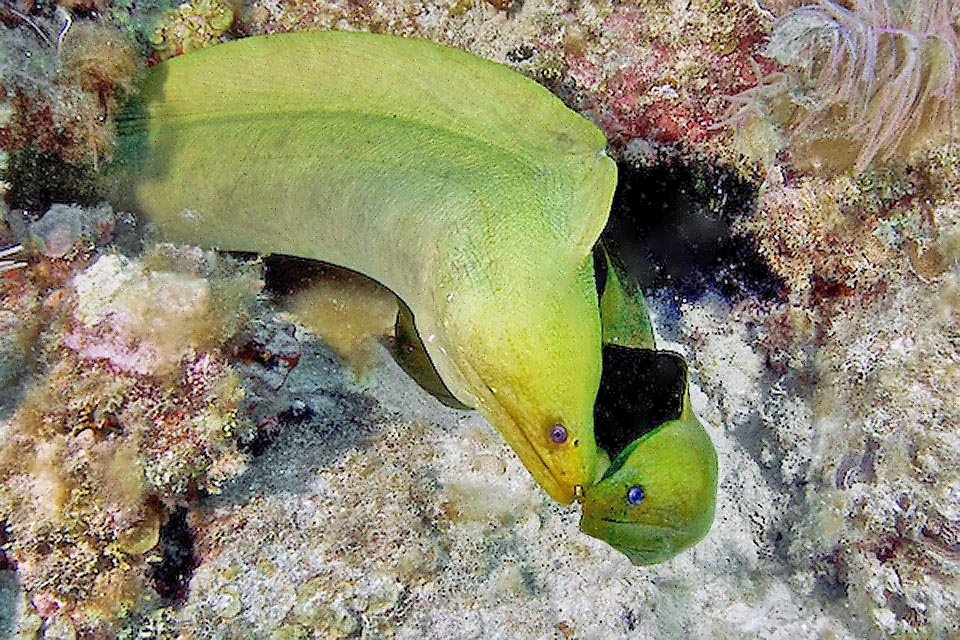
(623, 310)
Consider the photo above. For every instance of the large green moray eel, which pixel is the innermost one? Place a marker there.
(469, 191)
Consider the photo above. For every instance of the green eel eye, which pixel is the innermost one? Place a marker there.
(558, 433)
(635, 494)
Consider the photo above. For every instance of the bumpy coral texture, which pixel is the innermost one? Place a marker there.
(191, 26)
(64, 79)
(135, 409)
(888, 455)
(859, 419)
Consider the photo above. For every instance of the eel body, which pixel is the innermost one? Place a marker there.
(468, 190)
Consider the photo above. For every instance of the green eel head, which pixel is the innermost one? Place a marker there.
(657, 497)
(532, 364)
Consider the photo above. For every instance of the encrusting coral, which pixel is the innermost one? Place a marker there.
(136, 409)
(884, 492)
(191, 26)
(825, 237)
(64, 79)
(858, 426)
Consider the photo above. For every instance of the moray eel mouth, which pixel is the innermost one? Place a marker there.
(666, 544)
(646, 542)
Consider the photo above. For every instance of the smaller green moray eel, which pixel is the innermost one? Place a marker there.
(469, 191)
(657, 496)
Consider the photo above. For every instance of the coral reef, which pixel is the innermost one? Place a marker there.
(178, 459)
(63, 79)
(640, 70)
(822, 238)
(857, 423)
(887, 457)
(864, 460)
(135, 408)
(191, 26)
(401, 518)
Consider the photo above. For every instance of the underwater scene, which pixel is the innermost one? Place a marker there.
(547, 319)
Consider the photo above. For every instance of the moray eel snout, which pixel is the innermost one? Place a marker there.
(560, 457)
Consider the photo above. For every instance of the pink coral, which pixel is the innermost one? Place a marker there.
(146, 322)
(658, 72)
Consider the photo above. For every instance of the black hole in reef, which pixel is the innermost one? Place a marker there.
(172, 575)
(7, 563)
(640, 389)
(40, 178)
(671, 226)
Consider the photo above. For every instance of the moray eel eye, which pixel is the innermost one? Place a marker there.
(558, 433)
(635, 494)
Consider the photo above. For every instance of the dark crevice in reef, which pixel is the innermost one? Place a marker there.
(671, 226)
(40, 178)
(172, 576)
(7, 563)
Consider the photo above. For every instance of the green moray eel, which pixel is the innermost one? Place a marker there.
(468, 190)
(476, 197)
(657, 496)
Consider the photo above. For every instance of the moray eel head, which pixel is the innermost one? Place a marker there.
(657, 497)
(533, 367)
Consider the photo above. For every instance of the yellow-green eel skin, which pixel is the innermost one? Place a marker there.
(468, 190)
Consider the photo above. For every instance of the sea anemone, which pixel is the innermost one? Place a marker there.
(873, 81)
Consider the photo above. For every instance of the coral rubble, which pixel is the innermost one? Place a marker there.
(134, 409)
